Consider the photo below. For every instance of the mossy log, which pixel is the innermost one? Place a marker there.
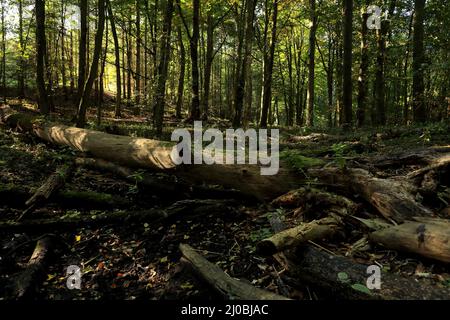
(394, 199)
(14, 195)
(293, 237)
(227, 287)
(70, 221)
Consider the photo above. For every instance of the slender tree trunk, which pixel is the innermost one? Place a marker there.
(241, 84)
(267, 96)
(180, 91)
(347, 64)
(81, 116)
(3, 52)
(138, 54)
(82, 47)
(21, 71)
(311, 63)
(208, 64)
(117, 62)
(195, 102)
(405, 74)
(63, 49)
(129, 62)
(363, 69)
(163, 68)
(418, 89)
(43, 101)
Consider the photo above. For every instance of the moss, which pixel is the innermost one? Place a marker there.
(297, 161)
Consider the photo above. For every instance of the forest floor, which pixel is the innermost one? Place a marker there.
(135, 260)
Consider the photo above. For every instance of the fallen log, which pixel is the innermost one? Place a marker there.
(302, 234)
(70, 221)
(14, 195)
(27, 281)
(163, 186)
(132, 152)
(314, 197)
(394, 199)
(430, 239)
(227, 287)
(154, 154)
(55, 182)
(341, 277)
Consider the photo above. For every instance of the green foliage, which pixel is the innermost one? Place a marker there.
(297, 161)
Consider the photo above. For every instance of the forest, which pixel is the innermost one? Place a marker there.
(98, 201)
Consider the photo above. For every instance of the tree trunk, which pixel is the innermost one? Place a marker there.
(268, 69)
(418, 90)
(82, 108)
(347, 82)
(117, 63)
(163, 69)
(138, 55)
(180, 91)
(43, 101)
(363, 69)
(430, 238)
(195, 102)
(82, 47)
(21, 71)
(311, 63)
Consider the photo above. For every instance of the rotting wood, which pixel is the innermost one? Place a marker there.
(227, 287)
(430, 239)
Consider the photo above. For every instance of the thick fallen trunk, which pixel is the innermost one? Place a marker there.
(154, 154)
(394, 199)
(226, 286)
(341, 277)
(191, 208)
(54, 183)
(162, 185)
(290, 238)
(132, 152)
(428, 238)
(34, 271)
(16, 196)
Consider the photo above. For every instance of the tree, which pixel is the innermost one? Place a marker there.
(244, 68)
(43, 100)
(311, 63)
(21, 67)
(163, 68)
(418, 88)
(180, 91)
(268, 67)
(87, 89)
(112, 22)
(82, 47)
(347, 64)
(193, 45)
(363, 69)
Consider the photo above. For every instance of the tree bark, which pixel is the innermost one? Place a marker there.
(43, 101)
(82, 47)
(163, 68)
(347, 82)
(117, 111)
(222, 283)
(418, 90)
(311, 63)
(84, 102)
(268, 69)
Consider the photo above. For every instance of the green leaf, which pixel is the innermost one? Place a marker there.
(343, 277)
(361, 288)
